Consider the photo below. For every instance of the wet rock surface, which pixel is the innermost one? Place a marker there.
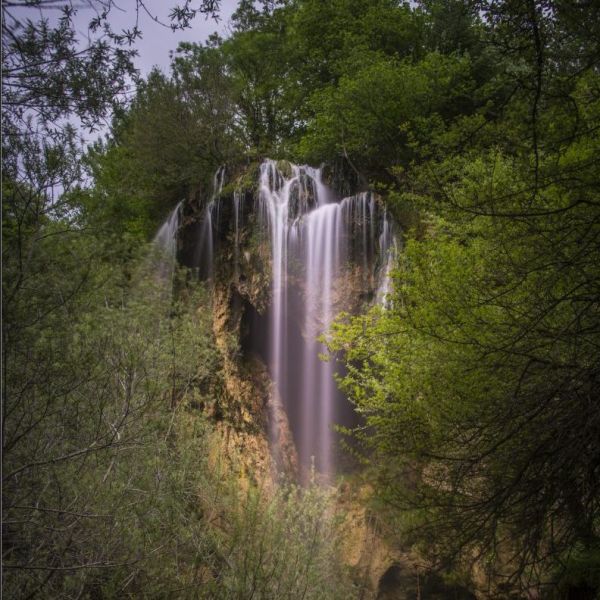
(283, 255)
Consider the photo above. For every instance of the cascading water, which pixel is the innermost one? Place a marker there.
(388, 250)
(314, 241)
(166, 241)
(238, 216)
(165, 238)
(322, 237)
(212, 213)
(326, 255)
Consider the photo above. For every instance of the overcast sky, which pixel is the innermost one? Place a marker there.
(158, 41)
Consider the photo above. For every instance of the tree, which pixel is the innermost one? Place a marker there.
(373, 133)
(69, 397)
(479, 384)
(47, 70)
(93, 368)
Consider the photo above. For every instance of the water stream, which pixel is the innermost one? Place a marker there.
(318, 243)
(166, 242)
(327, 254)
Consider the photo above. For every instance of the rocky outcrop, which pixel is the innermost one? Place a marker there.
(227, 230)
(383, 568)
(249, 402)
(245, 405)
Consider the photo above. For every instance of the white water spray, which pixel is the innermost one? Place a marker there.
(313, 238)
(327, 255)
(166, 241)
(210, 223)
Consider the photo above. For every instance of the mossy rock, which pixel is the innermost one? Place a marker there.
(285, 168)
(245, 180)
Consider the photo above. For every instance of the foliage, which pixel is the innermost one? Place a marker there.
(47, 70)
(278, 544)
(479, 383)
(107, 488)
(367, 117)
(91, 366)
(167, 144)
(55, 79)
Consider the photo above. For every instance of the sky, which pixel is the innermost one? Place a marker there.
(153, 48)
(158, 41)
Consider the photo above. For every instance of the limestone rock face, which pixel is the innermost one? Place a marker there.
(246, 406)
(249, 400)
(223, 239)
(364, 549)
(384, 569)
(283, 253)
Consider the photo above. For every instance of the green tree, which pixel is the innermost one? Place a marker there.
(93, 370)
(373, 114)
(479, 383)
(164, 147)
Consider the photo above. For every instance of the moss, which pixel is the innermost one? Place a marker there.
(285, 168)
(247, 180)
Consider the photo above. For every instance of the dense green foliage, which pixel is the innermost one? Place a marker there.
(479, 384)
(479, 121)
(107, 486)
(108, 490)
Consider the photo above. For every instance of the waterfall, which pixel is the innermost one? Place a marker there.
(326, 255)
(210, 222)
(238, 216)
(388, 250)
(166, 238)
(314, 239)
(322, 234)
(166, 242)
